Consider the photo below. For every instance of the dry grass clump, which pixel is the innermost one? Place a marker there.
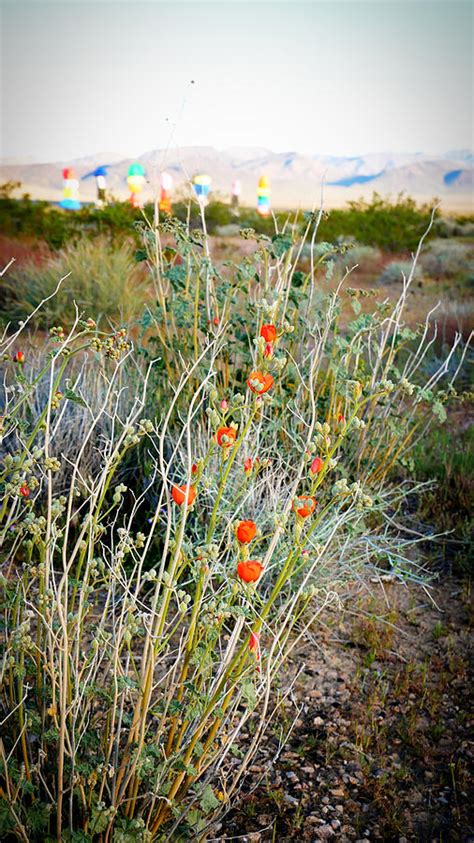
(97, 275)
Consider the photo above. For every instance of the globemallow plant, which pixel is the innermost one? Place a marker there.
(149, 603)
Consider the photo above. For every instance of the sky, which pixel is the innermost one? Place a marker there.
(341, 78)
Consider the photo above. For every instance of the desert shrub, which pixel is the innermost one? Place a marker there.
(379, 222)
(96, 273)
(395, 271)
(136, 657)
(462, 226)
(446, 259)
(367, 258)
(454, 317)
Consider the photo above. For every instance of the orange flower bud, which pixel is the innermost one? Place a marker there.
(248, 465)
(194, 468)
(224, 405)
(259, 383)
(340, 419)
(246, 531)
(249, 571)
(19, 357)
(254, 644)
(25, 491)
(304, 505)
(184, 493)
(269, 333)
(268, 351)
(226, 436)
(317, 465)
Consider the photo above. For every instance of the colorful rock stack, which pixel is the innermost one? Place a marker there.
(201, 185)
(70, 200)
(135, 181)
(100, 174)
(166, 186)
(235, 192)
(263, 197)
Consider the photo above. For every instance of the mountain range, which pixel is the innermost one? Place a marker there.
(296, 179)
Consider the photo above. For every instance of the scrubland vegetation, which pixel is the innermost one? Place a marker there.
(212, 450)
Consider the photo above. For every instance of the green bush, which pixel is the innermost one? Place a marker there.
(379, 222)
(57, 227)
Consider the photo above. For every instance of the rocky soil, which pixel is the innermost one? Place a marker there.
(382, 744)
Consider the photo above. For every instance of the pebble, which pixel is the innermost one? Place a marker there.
(325, 832)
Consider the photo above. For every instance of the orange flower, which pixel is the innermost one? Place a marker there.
(246, 531)
(249, 571)
(19, 357)
(226, 436)
(254, 644)
(317, 465)
(184, 493)
(304, 505)
(259, 383)
(269, 333)
(25, 491)
(248, 465)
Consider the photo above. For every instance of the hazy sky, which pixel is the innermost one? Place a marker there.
(333, 77)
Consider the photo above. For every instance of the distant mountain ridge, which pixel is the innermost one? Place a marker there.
(295, 178)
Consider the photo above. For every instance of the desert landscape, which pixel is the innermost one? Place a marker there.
(296, 179)
(236, 422)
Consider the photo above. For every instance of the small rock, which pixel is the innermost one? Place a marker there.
(325, 832)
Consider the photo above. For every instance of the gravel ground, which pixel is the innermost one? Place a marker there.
(383, 742)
